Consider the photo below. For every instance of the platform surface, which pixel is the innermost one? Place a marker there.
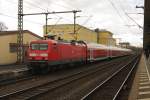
(11, 68)
(141, 85)
(13, 72)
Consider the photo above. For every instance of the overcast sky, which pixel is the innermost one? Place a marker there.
(102, 14)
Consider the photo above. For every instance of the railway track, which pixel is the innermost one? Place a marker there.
(112, 86)
(77, 89)
(15, 80)
(35, 91)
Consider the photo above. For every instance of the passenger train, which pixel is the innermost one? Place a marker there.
(45, 54)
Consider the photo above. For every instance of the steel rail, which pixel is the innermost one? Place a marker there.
(105, 81)
(126, 79)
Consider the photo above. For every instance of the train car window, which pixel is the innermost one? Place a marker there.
(43, 46)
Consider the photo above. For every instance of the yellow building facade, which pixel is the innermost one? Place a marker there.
(106, 37)
(66, 32)
(8, 45)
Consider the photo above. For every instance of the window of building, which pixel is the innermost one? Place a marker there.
(13, 47)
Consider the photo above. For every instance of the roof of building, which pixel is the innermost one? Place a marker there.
(103, 30)
(15, 32)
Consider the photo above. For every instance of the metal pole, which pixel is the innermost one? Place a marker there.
(75, 25)
(20, 49)
(46, 23)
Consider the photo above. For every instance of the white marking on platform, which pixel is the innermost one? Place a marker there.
(144, 83)
(146, 92)
(143, 77)
(144, 99)
(144, 87)
(142, 80)
(143, 73)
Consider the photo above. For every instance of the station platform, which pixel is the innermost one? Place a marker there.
(12, 72)
(141, 84)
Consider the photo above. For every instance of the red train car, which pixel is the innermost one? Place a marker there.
(99, 51)
(44, 54)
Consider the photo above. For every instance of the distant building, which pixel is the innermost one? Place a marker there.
(8, 45)
(124, 44)
(106, 37)
(66, 32)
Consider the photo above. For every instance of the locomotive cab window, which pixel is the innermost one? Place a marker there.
(34, 46)
(39, 46)
(43, 46)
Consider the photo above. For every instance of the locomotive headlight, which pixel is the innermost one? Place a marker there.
(33, 54)
(44, 54)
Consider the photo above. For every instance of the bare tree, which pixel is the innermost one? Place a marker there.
(97, 30)
(3, 27)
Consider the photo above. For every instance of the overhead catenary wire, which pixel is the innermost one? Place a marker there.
(126, 22)
(126, 14)
(86, 21)
(29, 6)
(64, 6)
(113, 5)
(13, 17)
(115, 9)
(35, 5)
(123, 10)
(135, 22)
(55, 24)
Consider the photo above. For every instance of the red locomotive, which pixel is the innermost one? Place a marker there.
(44, 54)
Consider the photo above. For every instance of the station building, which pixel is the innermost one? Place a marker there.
(8, 45)
(106, 37)
(66, 32)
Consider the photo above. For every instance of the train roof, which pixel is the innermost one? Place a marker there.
(57, 41)
(101, 46)
(44, 41)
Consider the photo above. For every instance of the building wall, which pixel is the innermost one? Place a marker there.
(28, 38)
(105, 37)
(7, 57)
(66, 31)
